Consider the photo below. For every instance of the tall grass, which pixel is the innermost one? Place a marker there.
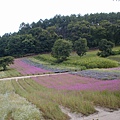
(48, 100)
(14, 107)
(50, 110)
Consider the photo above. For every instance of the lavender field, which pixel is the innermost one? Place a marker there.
(74, 87)
(94, 79)
(79, 91)
(26, 68)
(75, 82)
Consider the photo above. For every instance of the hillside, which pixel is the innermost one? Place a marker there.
(39, 37)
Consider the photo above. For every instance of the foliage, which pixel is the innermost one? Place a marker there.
(115, 57)
(48, 99)
(105, 47)
(14, 107)
(6, 61)
(93, 62)
(115, 52)
(75, 62)
(39, 37)
(61, 49)
(81, 46)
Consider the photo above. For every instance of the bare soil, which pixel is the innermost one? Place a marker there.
(102, 114)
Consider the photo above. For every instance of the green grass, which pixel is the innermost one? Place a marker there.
(9, 73)
(115, 57)
(116, 48)
(75, 62)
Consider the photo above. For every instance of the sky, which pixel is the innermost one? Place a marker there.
(14, 12)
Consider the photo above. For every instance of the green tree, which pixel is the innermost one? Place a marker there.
(105, 47)
(61, 49)
(81, 46)
(6, 61)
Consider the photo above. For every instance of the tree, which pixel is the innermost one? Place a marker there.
(105, 47)
(6, 61)
(61, 49)
(81, 46)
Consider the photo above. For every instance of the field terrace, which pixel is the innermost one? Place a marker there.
(75, 82)
(24, 67)
(98, 79)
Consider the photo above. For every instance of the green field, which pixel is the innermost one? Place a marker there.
(75, 62)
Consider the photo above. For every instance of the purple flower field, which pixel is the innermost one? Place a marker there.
(25, 68)
(75, 82)
(106, 79)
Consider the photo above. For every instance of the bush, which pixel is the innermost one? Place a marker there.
(93, 62)
(105, 47)
(61, 49)
(116, 52)
(6, 61)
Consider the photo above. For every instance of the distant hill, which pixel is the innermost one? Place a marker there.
(39, 37)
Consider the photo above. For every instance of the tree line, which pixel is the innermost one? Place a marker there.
(40, 37)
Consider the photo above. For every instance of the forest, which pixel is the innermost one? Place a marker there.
(40, 37)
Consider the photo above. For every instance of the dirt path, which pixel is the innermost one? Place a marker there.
(102, 114)
(30, 76)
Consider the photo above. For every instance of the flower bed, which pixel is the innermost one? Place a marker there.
(104, 74)
(74, 82)
(25, 68)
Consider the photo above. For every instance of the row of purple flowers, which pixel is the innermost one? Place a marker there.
(75, 82)
(25, 68)
(105, 74)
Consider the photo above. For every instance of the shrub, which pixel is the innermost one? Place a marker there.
(105, 47)
(116, 52)
(93, 62)
(61, 49)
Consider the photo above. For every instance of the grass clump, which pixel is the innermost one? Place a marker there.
(14, 107)
(50, 110)
(106, 99)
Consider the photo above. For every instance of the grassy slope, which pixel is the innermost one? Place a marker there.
(48, 100)
(74, 62)
(13, 106)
